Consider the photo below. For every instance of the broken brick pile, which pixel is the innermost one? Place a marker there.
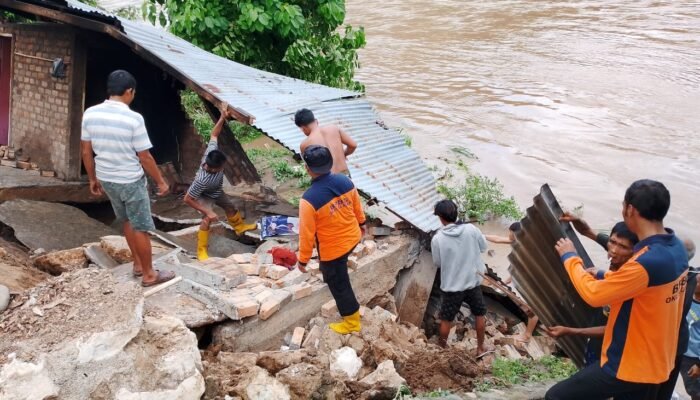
(246, 285)
(9, 157)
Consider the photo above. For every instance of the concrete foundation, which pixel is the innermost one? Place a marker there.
(27, 185)
(375, 276)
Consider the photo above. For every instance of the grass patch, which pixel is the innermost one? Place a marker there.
(404, 393)
(506, 372)
(478, 197)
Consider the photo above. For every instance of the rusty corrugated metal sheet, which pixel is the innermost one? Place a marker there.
(540, 277)
(383, 167)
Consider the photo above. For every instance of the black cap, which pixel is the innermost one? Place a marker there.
(318, 159)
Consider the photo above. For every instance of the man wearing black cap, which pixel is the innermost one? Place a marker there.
(331, 216)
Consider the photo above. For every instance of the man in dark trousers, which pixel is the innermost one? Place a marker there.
(331, 217)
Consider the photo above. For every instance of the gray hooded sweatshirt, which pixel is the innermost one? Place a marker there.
(457, 252)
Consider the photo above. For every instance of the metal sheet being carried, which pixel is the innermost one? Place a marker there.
(383, 167)
(540, 277)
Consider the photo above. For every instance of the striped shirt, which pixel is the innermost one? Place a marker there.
(206, 183)
(117, 133)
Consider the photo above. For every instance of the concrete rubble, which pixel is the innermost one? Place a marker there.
(235, 326)
(104, 337)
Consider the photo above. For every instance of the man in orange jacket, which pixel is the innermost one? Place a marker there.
(330, 217)
(646, 304)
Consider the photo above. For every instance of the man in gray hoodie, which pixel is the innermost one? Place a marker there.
(457, 252)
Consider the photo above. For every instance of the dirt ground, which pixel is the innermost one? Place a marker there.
(449, 369)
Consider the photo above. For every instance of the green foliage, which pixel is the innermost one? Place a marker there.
(283, 171)
(298, 38)
(265, 156)
(404, 393)
(282, 166)
(479, 197)
(130, 12)
(197, 113)
(407, 139)
(514, 372)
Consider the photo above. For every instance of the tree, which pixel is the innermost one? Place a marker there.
(297, 38)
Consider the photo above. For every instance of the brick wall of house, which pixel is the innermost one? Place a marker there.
(40, 108)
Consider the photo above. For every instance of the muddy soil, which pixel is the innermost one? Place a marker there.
(450, 369)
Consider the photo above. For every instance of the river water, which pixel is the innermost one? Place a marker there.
(586, 96)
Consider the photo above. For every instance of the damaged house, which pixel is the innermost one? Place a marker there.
(56, 65)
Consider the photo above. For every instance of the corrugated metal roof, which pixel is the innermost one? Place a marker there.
(383, 167)
(541, 279)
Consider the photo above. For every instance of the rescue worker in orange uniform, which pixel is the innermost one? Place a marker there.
(646, 304)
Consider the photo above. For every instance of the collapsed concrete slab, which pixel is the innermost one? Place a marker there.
(35, 222)
(375, 276)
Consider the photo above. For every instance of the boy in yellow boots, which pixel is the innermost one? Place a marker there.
(207, 191)
(331, 217)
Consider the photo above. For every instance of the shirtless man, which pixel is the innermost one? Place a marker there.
(338, 141)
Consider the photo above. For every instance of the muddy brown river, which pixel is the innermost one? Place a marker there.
(586, 96)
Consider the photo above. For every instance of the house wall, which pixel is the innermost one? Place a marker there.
(41, 106)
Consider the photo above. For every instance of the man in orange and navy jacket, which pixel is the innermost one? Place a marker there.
(646, 304)
(331, 217)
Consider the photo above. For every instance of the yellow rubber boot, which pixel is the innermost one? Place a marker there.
(351, 323)
(239, 224)
(202, 245)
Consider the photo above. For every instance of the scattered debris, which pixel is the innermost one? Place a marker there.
(58, 262)
(385, 375)
(88, 344)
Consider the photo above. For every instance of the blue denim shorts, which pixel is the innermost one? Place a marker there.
(130, 202)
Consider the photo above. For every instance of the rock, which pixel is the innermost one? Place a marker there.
(385, 375)
(4, 298)
(312, 338)
(370, 247)
(22, 380)
(357, 344)
(58, 262)
(275, 361)
(345, 363)
(330, 341)
(303, 380)
(117, 248)
(261, 386)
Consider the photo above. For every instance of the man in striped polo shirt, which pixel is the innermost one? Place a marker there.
(117, 136)
(207, 190)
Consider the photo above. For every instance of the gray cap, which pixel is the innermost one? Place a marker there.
(318, 159)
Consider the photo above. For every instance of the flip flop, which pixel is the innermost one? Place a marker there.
(482, 355)
(163, 276)
(137, 274)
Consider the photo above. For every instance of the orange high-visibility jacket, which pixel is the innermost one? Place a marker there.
(646, 308)
(330, 215)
